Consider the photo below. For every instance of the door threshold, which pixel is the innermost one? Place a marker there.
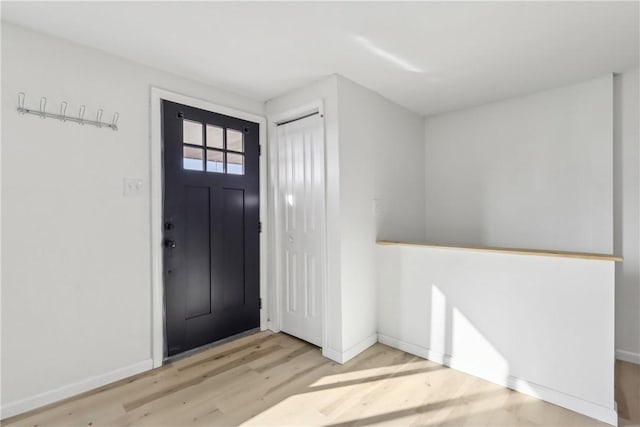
(209, 346)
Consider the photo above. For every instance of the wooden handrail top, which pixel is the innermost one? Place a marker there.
(517, 251)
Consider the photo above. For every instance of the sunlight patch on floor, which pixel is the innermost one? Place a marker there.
(363, 374)
(393, 399)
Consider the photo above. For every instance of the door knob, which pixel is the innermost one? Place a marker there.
(170, 244)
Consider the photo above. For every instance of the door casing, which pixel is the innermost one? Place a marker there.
(156, 177)
(275, 290)
(269, 291)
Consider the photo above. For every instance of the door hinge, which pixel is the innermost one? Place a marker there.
(260, 303)
(259, 149)
(259, 226)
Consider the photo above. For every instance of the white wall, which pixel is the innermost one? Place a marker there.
(529, 172)
(374, 150)
(381, 152)
(76, 282)
(511, 319)
(627, 218)
(384, 159)
(325, 91)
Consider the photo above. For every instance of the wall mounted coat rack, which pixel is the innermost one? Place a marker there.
(42, 113)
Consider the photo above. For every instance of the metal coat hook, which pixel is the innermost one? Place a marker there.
(99, 118)
(81, 115)
(43, 106)
(63, 111)
(42, 113)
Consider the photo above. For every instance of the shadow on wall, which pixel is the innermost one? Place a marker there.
(451, 334)
(541, 325)
(455, 337)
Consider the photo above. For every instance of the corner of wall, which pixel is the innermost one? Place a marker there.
(626, 158)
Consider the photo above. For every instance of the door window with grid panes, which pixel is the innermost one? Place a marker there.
(212, 148)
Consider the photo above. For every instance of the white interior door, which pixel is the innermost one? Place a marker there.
(300, 220)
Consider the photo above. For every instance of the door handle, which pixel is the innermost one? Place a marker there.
(169, 244)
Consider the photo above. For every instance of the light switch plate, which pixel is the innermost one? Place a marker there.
(377, 206)
(132, 186)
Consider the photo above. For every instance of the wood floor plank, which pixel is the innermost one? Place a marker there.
(256, 339)
(286, 358)
(365, 403)
(180, 403)
(275, 379)
(199, 379)
(352, 380)
(628, 390)
(222, 354)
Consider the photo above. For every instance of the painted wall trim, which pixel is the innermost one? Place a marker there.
(352, 352)
(157, 291)
(275, 317)
(332, 354)
(299, 112)
(628, 356)
(520, 385)
(359, 347)
(55, 395)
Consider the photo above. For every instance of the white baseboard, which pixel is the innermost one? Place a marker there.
(345, 356)
(332, 354)
(51, 396)
(590, 409)
(359, 348)
(628, 356)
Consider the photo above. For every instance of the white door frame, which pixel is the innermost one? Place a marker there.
(275, 309)
(157, 288)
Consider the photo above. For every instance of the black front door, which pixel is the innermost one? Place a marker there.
(211, 226)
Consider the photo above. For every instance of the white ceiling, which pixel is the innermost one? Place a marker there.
(429, 57)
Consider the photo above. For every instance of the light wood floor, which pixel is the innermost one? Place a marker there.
(628, 393)
(274, 379)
